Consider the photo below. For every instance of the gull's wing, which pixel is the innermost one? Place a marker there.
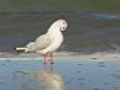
(42, 42)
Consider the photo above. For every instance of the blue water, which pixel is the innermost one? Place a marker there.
(73, 74)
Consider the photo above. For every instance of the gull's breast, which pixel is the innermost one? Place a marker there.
(57, 40)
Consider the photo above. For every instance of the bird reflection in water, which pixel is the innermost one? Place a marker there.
(42, 80)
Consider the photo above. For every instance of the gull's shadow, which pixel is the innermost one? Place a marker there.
(45, 79)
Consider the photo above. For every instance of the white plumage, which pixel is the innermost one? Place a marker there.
(48, 42)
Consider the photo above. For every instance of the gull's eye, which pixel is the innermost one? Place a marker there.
(63, 28)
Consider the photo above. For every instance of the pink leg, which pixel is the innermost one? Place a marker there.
(45, 66)
(51, 58)
(45, 58)
(51, 67)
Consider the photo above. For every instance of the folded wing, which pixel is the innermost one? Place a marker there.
(40, 43)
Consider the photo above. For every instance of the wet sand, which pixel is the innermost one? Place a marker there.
(69, 72)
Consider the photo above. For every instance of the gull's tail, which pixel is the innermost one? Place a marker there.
(28, 48)
(21, 49)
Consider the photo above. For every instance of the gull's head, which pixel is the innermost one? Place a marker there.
(62, 24)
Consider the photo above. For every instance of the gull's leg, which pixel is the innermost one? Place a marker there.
(51, 67)
(51, 58)
(45, 66)
(45, 58)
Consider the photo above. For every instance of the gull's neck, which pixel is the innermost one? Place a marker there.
(54, 29)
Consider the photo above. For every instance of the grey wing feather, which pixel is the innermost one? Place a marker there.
(42, 42)
(30, 46)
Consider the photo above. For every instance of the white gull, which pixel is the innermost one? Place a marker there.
(48, 42)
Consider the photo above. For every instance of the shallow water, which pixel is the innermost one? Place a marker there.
(63, 75)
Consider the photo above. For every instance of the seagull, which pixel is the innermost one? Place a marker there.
(49, 42)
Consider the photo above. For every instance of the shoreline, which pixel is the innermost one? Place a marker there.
(62, 56)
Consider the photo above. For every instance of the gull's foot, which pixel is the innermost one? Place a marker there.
(45, 63)
(51, 62)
